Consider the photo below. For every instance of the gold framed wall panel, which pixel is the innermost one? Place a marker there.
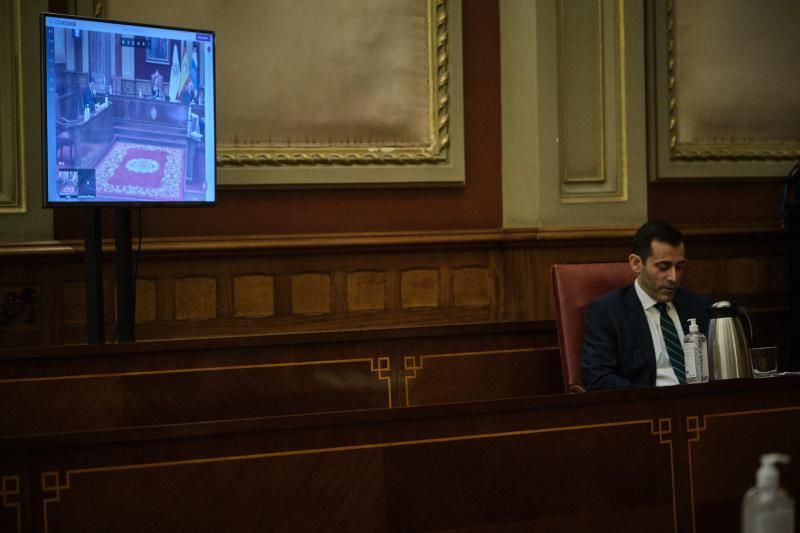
(723, 94)
(375, 98)
(12, 176)
(592, 101)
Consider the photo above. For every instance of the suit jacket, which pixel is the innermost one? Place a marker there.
(618, 349)
(89, 99)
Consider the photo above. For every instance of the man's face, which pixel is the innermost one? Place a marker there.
(661, 274)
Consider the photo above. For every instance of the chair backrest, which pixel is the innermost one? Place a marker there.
(574, 287)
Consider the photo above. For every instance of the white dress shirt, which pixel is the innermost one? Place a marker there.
(664, 373)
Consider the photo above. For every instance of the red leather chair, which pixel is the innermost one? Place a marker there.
(574, 286)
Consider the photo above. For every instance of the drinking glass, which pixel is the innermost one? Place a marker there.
(765, 361)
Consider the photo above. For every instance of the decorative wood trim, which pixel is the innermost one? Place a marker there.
(53, 483)
(10, 490)
(608, 181)
(416, 278)
(695, 424)
(362, 241)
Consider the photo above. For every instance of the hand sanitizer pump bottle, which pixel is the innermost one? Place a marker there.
(695, 354)
(768, 508)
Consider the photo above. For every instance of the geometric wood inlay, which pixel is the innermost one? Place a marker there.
(253, 296)
(311, 294)
(195, 298)
(366, 291)
(471, 287)
(419, 288)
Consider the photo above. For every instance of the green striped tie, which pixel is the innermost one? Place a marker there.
(672, 342)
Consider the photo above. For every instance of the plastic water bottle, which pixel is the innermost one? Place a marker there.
(695, 354)
(767, 507)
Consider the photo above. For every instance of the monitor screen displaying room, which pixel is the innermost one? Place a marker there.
(128, 113)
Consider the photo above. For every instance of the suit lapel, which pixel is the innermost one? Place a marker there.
(640, 327)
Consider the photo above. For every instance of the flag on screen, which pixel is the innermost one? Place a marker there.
(174, 76)
(194, 74)
(185, 68)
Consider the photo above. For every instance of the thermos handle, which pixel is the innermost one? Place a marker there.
(743, 310)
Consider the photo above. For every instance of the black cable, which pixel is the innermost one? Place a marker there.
(136, 261)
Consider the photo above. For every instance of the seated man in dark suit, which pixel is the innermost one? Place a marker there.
(88, 96)
(634, 335)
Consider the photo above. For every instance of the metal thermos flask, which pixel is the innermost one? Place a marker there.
(728, 344)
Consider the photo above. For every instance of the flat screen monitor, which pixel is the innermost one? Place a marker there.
(127, 113)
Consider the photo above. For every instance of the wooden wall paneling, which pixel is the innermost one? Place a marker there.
(718, 480)
(146, 300)
(253, 296)
(741, 275)
(498, 283)
(52, 315)
(469, 376)
(366, 291)
(517, 284)
(215, 288)
(420, 288)
(174, 394)
(337, 490)
(21, 317)
(666, 460)
(61, 403)
(151, 383)
(311, 293)
(224, 285)
(511, 475)
(13, 495)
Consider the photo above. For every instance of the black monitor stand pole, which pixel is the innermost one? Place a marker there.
(93, 242)
(93, 245)
(126, 302)
(793, 231)
(789, 209)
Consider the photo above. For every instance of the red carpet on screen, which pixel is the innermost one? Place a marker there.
(141, 171)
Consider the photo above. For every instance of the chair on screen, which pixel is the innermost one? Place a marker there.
(574, 286)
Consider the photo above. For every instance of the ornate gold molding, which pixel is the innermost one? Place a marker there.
(435, 152)
(99, 8)
(683, 151)
(388, 240)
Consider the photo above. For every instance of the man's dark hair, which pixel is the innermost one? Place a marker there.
(654, 231)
